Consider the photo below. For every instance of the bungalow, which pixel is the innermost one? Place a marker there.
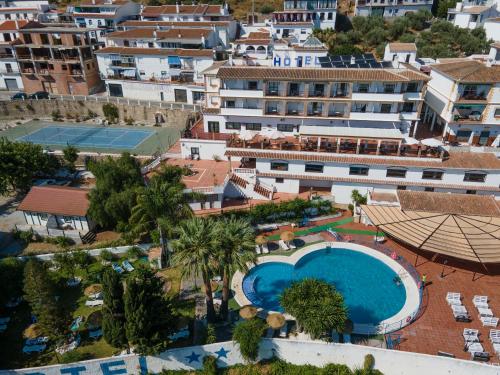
(53, 211)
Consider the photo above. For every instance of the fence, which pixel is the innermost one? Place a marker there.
(74, 235)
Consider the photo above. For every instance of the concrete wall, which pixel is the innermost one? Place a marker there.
(43, 108)
(297, 352)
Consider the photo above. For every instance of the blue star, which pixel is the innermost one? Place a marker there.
(193, 357)
(222, 353)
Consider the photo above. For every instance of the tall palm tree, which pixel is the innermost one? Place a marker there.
(194, 252)
(236, 252)
(161, 204)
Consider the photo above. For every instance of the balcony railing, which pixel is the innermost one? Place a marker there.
(473, 96)
(124, 64)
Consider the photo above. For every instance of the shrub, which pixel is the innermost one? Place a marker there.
(24, 236)
(56, 115)
(91, 114)
(209, 365)
(106, 255)
(248, 335)
(211, 336)
(369, 362)
(129, 121)
(110, 112)
(74, 356)
(135, 252)
(266, 9)
(63, 241)
(29, 107)
(18, 107)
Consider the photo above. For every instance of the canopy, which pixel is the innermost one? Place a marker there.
(247, 135)
(346, 132)
(457, 225)
(287, 236)
(272, 133)
(411, 141)
(431, 142)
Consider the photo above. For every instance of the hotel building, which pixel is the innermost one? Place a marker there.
(390, 8)
(304, 15)
(10, 76)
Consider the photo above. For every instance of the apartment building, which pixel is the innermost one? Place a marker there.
(327, 129)
(304, 15)
(148, 73)
(463, 100)
(186, 13)
(58, 59)
(103, 14)
(390, 8)
(22, 9)
(492, 28)
(10, 76)
(472, 14)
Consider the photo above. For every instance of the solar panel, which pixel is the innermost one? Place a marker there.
(324, 59)
(359, 61)
(368, 56)
(345, 57)
(336, 58)
(364, 65)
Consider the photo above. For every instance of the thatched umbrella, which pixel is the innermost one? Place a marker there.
(248, 312)
(94, 320)
(276, 320)
(287, 236)
(260, 240)
(92, 289)
(348, 326)
(32, 332)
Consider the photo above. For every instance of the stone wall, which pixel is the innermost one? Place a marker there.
(143, 113)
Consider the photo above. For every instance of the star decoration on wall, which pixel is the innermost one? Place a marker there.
(193, 357)
(222, 353)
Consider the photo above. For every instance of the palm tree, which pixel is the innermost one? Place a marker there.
(161, 204)
(195, 250)
(235, 253)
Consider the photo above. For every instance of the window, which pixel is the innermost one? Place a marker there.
(198, 96)
(213, 126)
(463, 135)
(330, 16)
(230, 104)
(475, 176)
(233, 125)
(431, 189)
(68, 219)
(385, 108)
(470, 192)
(273, 88)
(432, 175)
(257, 127)
(27, 39)
(358, 170)
(314, 168)
(279, 166)
(44, 38)
(90, 22)
(363, 87)
(408, 107)
(195, 151)
(401, 187)
(389, 88)
(497, 112)
(396, 172)
(279, 180)
(412, 87)
(8, 67)
(286, 127)
(43, 216)
(252, 85)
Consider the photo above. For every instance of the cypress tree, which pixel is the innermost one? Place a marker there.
(113, 314)
(147, 313)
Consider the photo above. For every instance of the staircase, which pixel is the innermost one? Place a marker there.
(89, 237)
(246, 183)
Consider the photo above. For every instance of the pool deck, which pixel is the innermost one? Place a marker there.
(412, 293)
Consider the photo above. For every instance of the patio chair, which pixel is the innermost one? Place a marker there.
(489, 321)
(475, 347)
(453, 298)
(265, 249)
(495, 336)
(484, 312)
(471, 334)
(462, 318)
(257, 249)
(128, 267)
(480, 356)
(283, 245)
(480, 301)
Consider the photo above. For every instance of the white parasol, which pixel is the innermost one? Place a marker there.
(410, 141)
(431, 142)
(272, 133)
(247, 135)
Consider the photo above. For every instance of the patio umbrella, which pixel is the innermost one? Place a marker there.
(247, 135)
(275, 320)
(410, 141)
(431, 142)
(272, 133)
(92, 289)
(287, 236)
(32, 332)
(260, 240)
(248, 312)
(94, 320)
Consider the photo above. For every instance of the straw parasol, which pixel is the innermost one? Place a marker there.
(276, 320)
(92, 289)
(248, 312)
(32, 332)
(287, 236)
(260, 240)
(94, 320)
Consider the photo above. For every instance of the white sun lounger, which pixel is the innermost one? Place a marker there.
(484, 312)
(265, 249)
(34, 348)
(489, 321)
(94, 302)
(475, 347)
(496, 348)
(481, 300)
(495, 336)
(471, 334)
(459, 309)
(453, 298)
(292, 245)
(283, 245)
(257, 249)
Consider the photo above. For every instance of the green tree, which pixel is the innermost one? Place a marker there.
(70, 154)
(11, 274)
(114, 195)
(82, 260)
(237, 250)
(40, 292)
(316, 306)
(357, 197)
(113, 310)
(194, 251)
(147, 312)
(161, 204)
(443, 6)
(20, 162)
(248, 335)
(65, 264)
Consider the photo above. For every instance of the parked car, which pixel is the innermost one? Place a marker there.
(19, 96)
(40, 95)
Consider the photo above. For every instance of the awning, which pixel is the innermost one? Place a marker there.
(337, 131)
(129, 73)
(174, 60)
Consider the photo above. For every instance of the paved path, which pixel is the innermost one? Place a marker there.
(9, 217)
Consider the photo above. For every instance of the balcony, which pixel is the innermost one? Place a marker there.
(247, 93)
(467, 113)
(76, 72)
(23, 57)
(244, 110)
(7, 56)
(377, 96)
(122, 64)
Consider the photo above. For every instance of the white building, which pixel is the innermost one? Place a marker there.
(327, 129)
(10, 76)
(104, 14)
(463, 100)
(162, 74)
(400, 53)
(22, 9)
(305, 14)
(297, 55)
(390, 8)
(472, 14)
(492, 28)
(186, 13)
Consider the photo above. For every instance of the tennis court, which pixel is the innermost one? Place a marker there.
(84, 136)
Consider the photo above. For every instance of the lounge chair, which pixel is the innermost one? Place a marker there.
(470, 334)
(128, 267)
(117, 268)
(495, 336)
(257, 249)
(489, 321)
(462, 318)
(453, 298)
(34, 348)
(283, 245)
(480, 301)
(480, 356)
(459, 309)
(292, 245)
(284, 330)
(379, 239)
(484, 312)
(265, 249)
(475, 347)
(94, 302)
(97, 295)
(335, 235)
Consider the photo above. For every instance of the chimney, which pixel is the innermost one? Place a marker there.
(177, 8)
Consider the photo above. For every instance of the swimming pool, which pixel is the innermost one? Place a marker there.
(362, 275)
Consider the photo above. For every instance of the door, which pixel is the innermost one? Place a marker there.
(11, 84)
(115, 90)
(483, 137)
(180, 96)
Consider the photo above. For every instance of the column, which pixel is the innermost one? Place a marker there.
(338, 145)
(433, 121)
(319, 143)
(378, 146)
(399, 148)
(415, 129)
(357, 145)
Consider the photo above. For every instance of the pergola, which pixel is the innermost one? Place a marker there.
(461, 226)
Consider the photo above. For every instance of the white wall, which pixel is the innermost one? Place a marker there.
(77, 222)
(207, 148)
(492, 29)
(389, 362)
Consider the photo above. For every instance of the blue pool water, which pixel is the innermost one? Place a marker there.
(85, 136)
(366, 283)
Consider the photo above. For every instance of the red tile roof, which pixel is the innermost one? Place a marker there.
(201, 9)
(12, 25)
(58, 200)
(157, 51)
(132, 23)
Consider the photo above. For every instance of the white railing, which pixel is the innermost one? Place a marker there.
(167, 155)
(271, 188)
(244, 170)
